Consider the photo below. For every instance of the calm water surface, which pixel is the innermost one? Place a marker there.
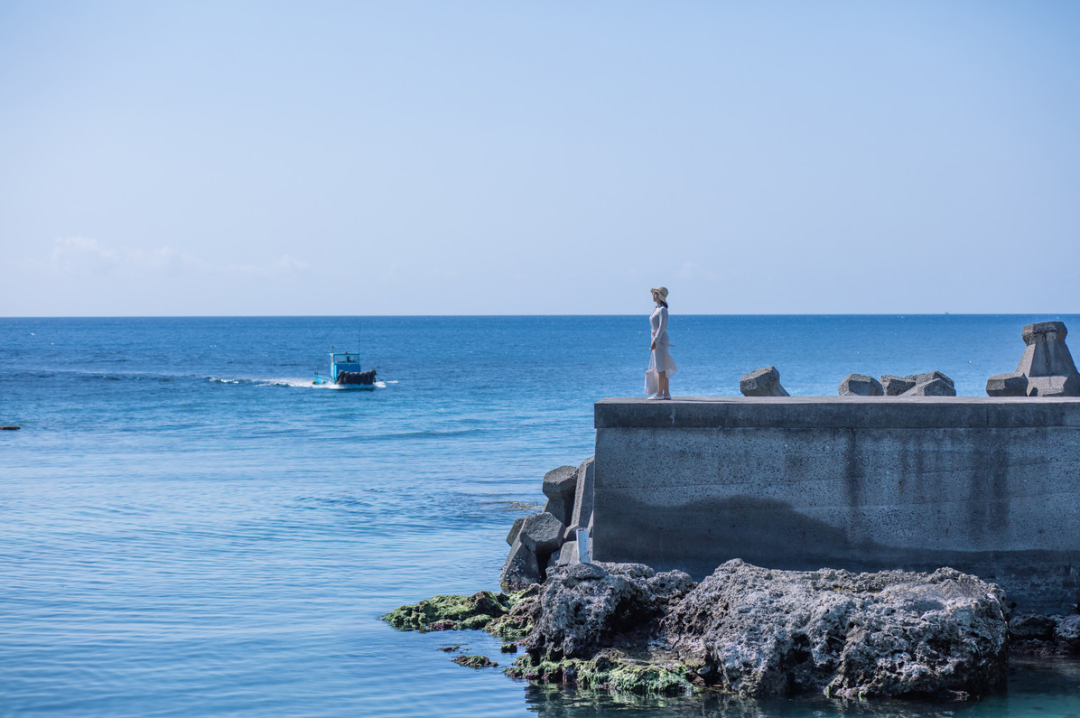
(189, 528)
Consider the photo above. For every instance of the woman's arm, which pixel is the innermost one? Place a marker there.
(663, 324)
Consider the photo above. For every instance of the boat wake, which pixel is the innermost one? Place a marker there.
(288, 382)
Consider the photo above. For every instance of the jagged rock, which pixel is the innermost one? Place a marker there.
(931, 384)
(1067, 633)
(560, 485)
(521, 568)
(583, 498)
(762, 382)
(1012, 384)
(541, 533)
(861, 385)
(584, 604)
(515, 530)
(1032, 627)
(760, 632)
(896, 385)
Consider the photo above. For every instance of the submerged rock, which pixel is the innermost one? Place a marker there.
(443, 613)
(760, 632)
(475, 662)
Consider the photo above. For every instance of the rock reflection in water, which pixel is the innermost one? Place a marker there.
(1035, 686)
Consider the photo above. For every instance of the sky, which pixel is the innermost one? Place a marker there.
(354, 158)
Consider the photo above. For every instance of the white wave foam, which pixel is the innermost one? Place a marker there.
(288, 381)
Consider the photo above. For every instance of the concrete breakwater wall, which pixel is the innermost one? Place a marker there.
(988, 486)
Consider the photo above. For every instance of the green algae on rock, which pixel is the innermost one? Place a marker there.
(475, 662)
(443, 613)
(610, 670)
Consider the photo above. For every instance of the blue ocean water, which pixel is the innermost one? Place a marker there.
(189, 528)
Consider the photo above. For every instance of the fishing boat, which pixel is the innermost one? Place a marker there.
(345, 373)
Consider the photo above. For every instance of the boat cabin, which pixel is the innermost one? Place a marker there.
(343, 361)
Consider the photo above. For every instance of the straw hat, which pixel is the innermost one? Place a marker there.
(662, 291)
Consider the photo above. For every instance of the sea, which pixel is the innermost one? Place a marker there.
(189, 527)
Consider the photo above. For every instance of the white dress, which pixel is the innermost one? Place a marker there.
(661, 360)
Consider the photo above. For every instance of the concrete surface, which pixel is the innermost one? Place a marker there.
(989, 486)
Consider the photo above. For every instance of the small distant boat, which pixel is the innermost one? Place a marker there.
(345, 372)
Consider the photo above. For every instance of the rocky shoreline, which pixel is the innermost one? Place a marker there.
(744, 630)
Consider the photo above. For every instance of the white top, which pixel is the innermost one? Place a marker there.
(658, 321)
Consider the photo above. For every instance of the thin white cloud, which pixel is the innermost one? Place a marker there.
(88, 256)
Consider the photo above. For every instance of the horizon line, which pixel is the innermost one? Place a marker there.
(512, 316)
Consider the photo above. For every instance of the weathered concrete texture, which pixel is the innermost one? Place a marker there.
(896, 385)
(933, 387)
(932, 383)
(583, 498)
(1046, 353)
(520, 570)
(987, 486)
(567, 555)
(762, 382)
(559, 486)
(515, 530)
(861, 385)
(541, 533)
(1046, 368)
(1011, 384)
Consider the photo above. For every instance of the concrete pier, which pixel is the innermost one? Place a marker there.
(989, 486)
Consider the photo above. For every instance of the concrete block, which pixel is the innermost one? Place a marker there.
(1054, 385)
(933, 387)
(520, 570)
(861, 385)
(515, 530)
(1046, 353)
(896, 385)
(1046, 368)
(583, 498)
(985, 485)
(762, 382)
(541, 533)
(568, 554)
(932, 376)
(557, 508)
(1012, 384)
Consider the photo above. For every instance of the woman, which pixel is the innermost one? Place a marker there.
(661, 365)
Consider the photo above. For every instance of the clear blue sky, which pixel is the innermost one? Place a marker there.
(225, 158)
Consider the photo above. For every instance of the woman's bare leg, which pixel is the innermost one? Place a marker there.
(663, 385)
